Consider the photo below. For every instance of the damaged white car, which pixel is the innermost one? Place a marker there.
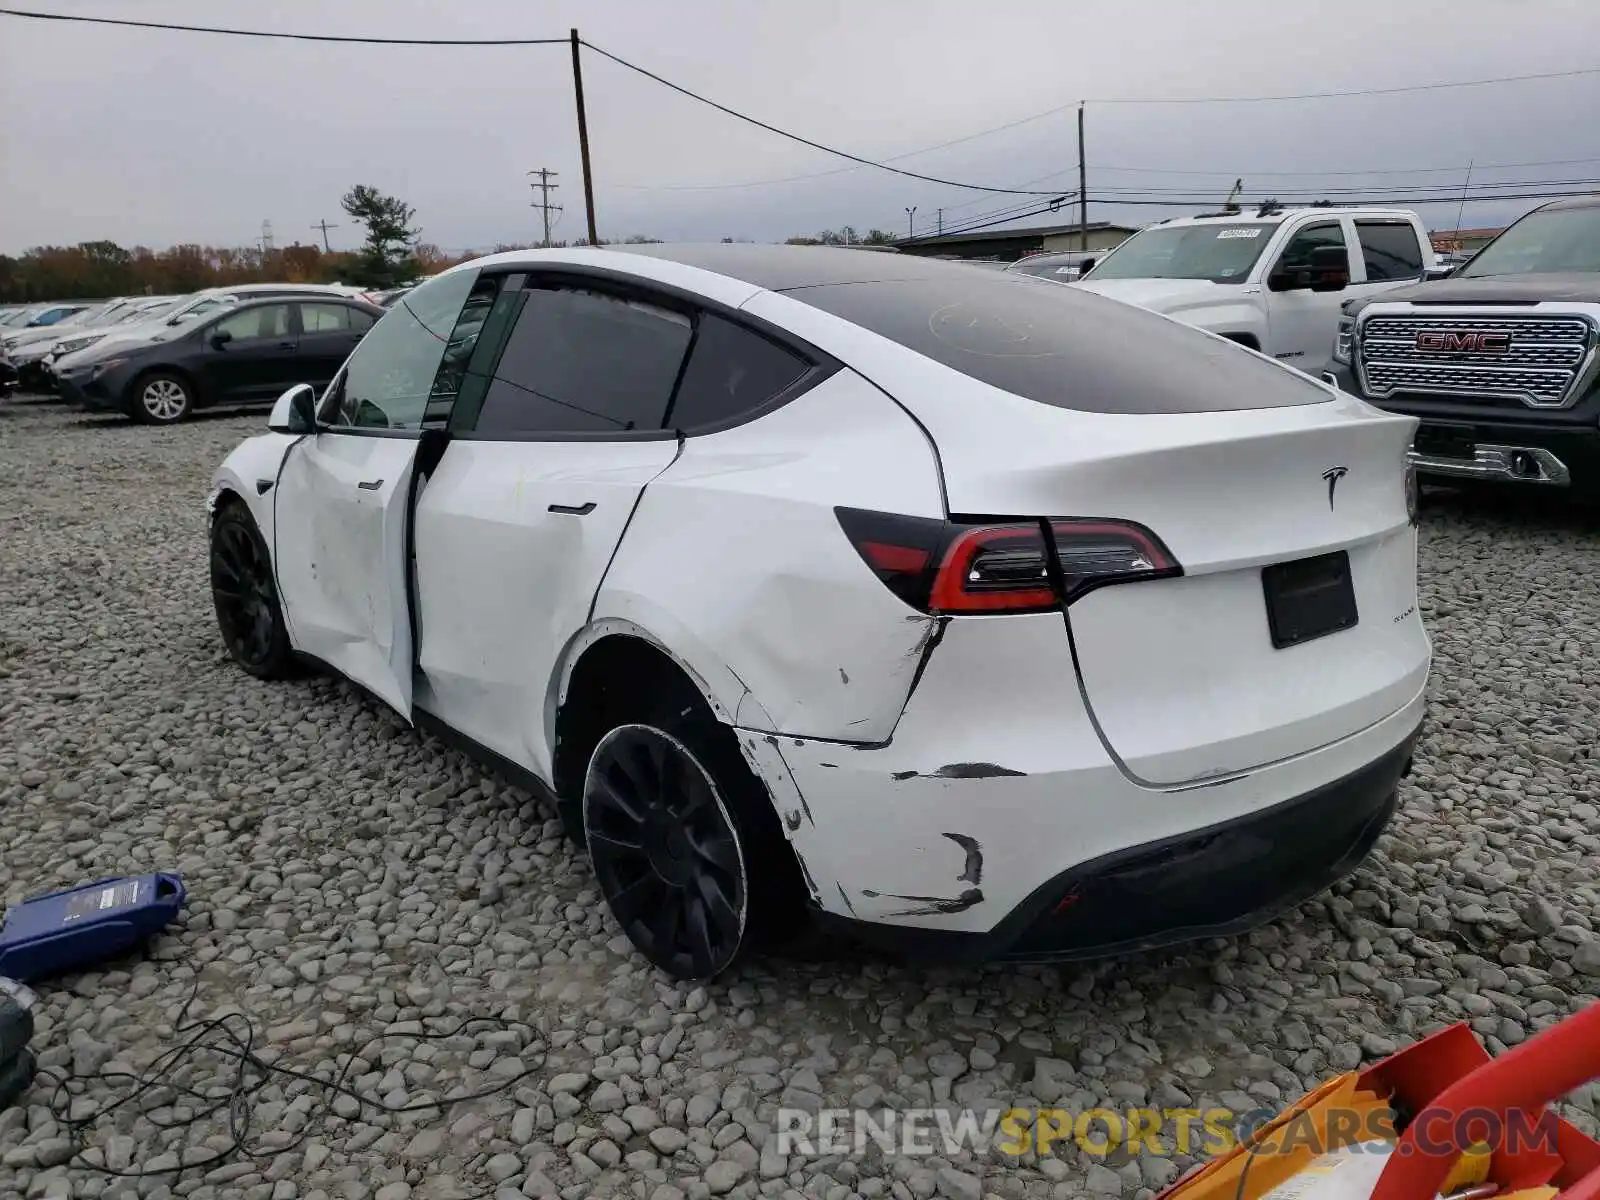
(979, 617)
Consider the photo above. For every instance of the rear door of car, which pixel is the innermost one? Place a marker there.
(329, 331)
(563, 389)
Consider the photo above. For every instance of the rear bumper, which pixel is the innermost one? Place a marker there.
(960, 838)
(1507, 446)
(1214, 882)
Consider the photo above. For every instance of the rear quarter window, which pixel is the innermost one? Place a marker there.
(1065, 347)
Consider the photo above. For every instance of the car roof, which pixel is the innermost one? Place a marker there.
(281, 297)
(1571, 202)
(782, 268)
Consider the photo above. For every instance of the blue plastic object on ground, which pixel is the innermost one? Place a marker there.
(49, 935)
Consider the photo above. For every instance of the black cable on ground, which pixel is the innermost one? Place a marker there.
(240, 1073)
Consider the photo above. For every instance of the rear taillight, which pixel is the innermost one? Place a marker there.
(1011, 566)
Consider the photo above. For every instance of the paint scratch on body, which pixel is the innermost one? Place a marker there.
(843, 895)
(972, 869)
(930, 905)
(974, 770)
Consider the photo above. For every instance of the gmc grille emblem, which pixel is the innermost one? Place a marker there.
(1463, 342)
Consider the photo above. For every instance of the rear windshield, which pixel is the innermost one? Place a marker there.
(1063, 346)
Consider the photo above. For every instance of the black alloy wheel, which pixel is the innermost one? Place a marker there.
(666, 852)
(245, 596)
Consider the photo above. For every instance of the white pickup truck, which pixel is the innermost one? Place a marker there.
(1273, 280)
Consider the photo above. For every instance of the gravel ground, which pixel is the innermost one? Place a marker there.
(349, 879)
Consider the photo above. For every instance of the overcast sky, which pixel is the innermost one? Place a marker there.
(154, 138)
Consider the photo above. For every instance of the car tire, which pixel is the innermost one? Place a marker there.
(245, 596)
(685, 842)
(161, 398)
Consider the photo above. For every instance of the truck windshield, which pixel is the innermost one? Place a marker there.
(1542, 242)
(1220, 253)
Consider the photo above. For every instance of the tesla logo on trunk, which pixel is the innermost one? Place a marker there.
(1333, 475)
(1463, 342)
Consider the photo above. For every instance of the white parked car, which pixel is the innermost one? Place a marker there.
(971, 613)
(1272, 280)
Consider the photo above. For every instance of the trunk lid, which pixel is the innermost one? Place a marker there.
(1182, 675)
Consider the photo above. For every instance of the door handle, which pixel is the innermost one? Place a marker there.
(286, 345)
(574, 510)
(370, 485)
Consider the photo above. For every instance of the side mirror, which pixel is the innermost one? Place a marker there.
(1330, 269)
(295, 411)
(1432, 274)
(221, 338)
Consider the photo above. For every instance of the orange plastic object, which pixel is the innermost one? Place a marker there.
(1517, 1084)
(1457, 1096)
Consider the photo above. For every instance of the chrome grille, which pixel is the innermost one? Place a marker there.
(1538, 367)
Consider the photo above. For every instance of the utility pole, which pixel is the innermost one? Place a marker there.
(583, 138)
(1083, 187)
(324, 226)
(939, 221)
(545, 188)
(911, 222)
(266, 237)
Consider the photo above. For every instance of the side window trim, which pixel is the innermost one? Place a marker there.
(822, 366)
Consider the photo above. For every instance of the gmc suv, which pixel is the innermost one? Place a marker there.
(1500, 361)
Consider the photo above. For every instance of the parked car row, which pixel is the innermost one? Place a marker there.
(158, 359)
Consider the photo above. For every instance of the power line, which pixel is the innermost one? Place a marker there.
(1339, 95)
(1211, 202)
(1248, 171)
(1351, 202)
(804, 141)
(1312, 190)
(78, 18)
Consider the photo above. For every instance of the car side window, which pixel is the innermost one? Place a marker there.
(1390, 249)
(325, 318)
(388, 380)
(732, 371)
(267, 321)
(1297, 254)
(579, 360)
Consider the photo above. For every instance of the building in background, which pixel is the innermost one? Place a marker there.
(1461, 241)
(1008, 245)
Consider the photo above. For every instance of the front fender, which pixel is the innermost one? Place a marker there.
(250, 472)
(1227, 320)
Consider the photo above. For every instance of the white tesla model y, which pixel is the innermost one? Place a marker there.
(982, 617)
